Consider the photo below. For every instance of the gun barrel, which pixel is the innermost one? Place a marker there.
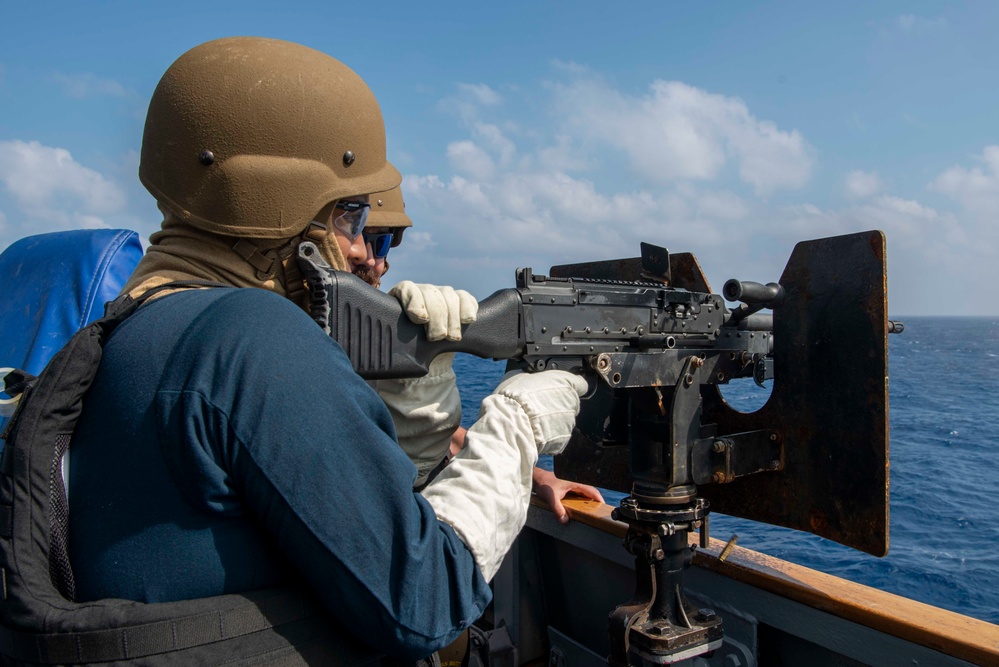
(746, 291)
(757, 322)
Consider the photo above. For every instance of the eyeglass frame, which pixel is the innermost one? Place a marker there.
(346, 224)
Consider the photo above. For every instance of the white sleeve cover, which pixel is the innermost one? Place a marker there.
(426, 411)
(485, 491)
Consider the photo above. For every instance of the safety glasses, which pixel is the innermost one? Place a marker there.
(351, 221)
(381, 243)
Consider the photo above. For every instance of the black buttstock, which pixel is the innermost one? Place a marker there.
(382, 342)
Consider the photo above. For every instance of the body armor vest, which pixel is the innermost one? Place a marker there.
(40, 624)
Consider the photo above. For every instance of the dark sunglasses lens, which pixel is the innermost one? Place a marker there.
(380, 244)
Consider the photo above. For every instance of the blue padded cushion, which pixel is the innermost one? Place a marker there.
(53, 285)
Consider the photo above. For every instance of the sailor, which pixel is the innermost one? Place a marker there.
(386, 225)
(226, 444)
(427, 410)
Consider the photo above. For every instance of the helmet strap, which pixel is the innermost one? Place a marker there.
(268, 263)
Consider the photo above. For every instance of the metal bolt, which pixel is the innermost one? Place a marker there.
(206, 158)
(587, 330)
(696, 362)
(773, 437)
(606, 330)
(718, 478)
(660, 554)
(718, 446)
(543, 329)
(348, 158)
(602, 363)
(706, 615)
(774, 465)
(568, 329)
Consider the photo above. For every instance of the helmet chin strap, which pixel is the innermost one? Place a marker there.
(283, 259)
(279, 263)
(325, 237)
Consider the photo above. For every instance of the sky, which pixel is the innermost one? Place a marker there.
(549, 132)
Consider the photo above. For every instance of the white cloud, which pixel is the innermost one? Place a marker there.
(418, 241)
(910, 23)
(52, 191)
(862, 184)
(467, 158)
(469, 99)
(493, 137)
(677, 131)
(542, 196)
(976, 189)
(86, 85)
(480, 93)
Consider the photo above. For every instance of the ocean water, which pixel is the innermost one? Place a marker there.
(944, 412)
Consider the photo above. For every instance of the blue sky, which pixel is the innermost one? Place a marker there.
(539, 133)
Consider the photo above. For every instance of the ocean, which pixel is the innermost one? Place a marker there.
(944, 414)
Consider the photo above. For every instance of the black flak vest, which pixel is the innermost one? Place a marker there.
(41, 624)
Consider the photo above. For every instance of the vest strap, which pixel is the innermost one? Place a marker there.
(130, 643)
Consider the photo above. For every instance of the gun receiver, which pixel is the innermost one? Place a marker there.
(658, 345)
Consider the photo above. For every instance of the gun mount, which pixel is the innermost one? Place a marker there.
(659, 345)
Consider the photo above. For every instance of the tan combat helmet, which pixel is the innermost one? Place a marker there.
(389, 210)
(251, 137)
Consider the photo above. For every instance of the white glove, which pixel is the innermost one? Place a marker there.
(426, 411)
(443, 309)
(485, 491)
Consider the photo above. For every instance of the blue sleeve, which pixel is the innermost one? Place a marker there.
(311, 450)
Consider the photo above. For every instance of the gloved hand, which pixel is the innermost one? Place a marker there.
(442, 309)
(426, 411)
(485, 491)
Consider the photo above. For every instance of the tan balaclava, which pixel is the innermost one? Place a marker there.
(181, 252)
(246, 141)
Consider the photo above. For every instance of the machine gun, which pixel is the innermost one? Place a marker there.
(657, 344)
